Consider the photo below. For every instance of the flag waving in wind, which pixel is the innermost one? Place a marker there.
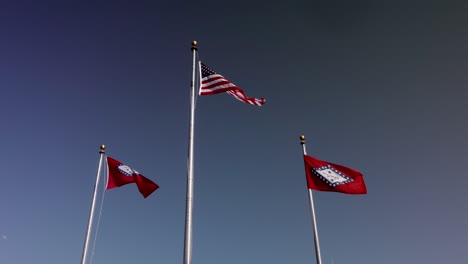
(326, 176)
(121, 174)
(214, 83)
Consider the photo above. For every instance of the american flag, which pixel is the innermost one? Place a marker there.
(213, 83)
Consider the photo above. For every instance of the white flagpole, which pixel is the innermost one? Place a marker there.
(189, 202)
(84, 256)
(312, 211)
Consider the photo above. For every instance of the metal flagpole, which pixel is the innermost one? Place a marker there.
(312, 211)
(84, 256)
(189, 202)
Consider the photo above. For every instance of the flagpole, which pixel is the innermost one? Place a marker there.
(84, 256)
(312, 211)
(189, 202)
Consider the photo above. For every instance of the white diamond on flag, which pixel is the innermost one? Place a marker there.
(126, 170)
(331, 176)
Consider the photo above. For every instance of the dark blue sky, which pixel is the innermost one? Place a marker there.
(377, 87)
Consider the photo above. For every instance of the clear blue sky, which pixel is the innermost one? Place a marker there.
(381, 88)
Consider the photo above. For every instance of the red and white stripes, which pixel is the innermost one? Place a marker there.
(213, 83)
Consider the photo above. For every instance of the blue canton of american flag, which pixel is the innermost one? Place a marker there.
(213, 83)
(330, 176)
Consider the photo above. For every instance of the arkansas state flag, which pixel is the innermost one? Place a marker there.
(329, 177)
(121, 174)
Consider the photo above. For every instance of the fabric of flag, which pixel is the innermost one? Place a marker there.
(121, 174)
(326, 176)
(214, 83)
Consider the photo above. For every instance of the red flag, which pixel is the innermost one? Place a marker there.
(121, 174)
(329, 177)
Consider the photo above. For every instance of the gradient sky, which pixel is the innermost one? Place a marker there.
(377, 87)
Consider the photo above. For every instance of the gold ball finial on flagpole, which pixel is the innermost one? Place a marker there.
(102, 149)
(194, 44)
(302, 138)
